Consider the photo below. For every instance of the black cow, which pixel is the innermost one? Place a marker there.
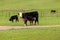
(53, 11)
(30, 16)
(14, 17)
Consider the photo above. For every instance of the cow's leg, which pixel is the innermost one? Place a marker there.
(34, 19)
(17, 20)
(31, 22)
(25, 22)
(35, 22)
(12, 20)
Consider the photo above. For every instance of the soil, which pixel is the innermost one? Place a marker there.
(18, 27)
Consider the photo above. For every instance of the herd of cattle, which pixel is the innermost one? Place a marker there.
(26, 16)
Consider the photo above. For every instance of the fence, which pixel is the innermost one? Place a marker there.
(45, 17)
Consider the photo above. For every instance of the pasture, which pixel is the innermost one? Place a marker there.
(29, 4)
(45, 18)
(31, 34)
(43, 7)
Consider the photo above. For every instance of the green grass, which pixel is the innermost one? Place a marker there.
(31, 34)
(42, 6)
(33, 4)
(49, 20)
(53, 19)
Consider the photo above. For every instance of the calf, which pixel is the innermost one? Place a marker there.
(14, 17)
(53, 11)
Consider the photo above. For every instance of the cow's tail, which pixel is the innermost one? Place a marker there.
(37, 20)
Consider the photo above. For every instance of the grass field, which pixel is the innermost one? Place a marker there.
(42, 6)
(31, 34)
(43, 20)
(33, 4)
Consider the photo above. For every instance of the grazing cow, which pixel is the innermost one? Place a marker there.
(14, 17)
(53, 11)
(29, 16)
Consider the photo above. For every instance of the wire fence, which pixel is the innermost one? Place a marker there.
(45, 17)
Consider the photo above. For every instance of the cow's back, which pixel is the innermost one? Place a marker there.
(30, 15)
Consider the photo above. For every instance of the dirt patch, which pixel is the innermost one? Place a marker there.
(18, 27)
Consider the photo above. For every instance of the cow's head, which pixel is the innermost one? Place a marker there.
(10, 20)
(20, 14)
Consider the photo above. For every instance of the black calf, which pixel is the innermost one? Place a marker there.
(53, 11)
(12, 18)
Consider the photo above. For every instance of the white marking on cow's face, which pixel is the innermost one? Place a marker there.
(20, 14)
